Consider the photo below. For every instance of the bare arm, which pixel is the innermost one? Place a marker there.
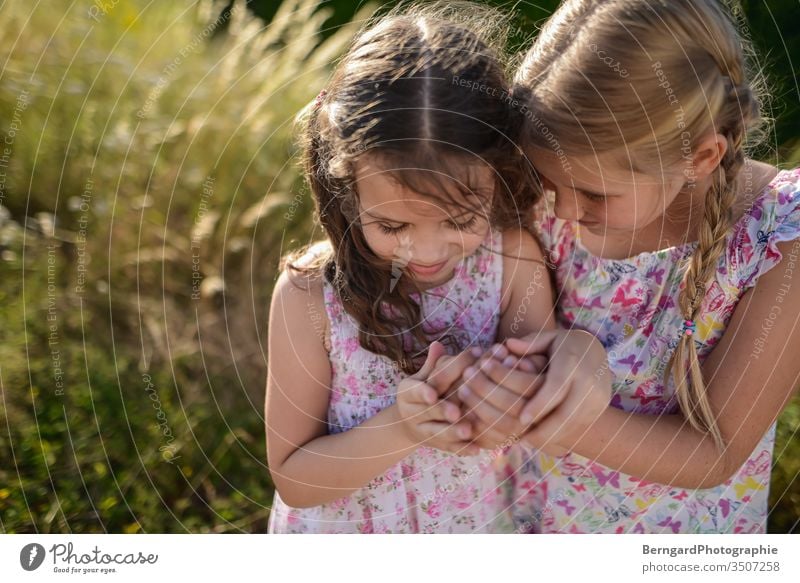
(528, 300)
(308, 466)
(748, 386)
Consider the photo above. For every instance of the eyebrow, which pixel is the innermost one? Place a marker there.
(381, 218)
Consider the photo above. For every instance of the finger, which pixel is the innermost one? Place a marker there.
(524, 364)
(493, 418)
(476, 351)
(538, 360)
(425, 400)
(532, 363)
(440, 411)
(496, 395)
(449, 371)
(498, 351)
(453, 398)
(443, 431)
(448, 437)
(435, 351)
(419, 393)
(522, 383)
(556, 388)
(423, 404)
(489, 438)
(535, 343)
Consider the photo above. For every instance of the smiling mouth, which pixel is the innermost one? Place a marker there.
(426, 269)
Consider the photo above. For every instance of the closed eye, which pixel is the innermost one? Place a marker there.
(465, 225)
(389, 230)
(594, 197)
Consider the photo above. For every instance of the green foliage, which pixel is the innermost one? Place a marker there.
(150, 190)
(784, 495)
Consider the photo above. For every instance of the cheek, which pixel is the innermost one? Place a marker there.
(635, 211)
(384, 246)
(471, 241)
(466, 242)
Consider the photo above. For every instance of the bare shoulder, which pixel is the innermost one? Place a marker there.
(752, 180)
(525, 273)
(523, 259)
(298, 299)
(521, 244)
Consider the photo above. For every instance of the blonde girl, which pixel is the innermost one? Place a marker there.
(674, 251)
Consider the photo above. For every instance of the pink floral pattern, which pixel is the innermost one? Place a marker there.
(630, 305)
(430, 491)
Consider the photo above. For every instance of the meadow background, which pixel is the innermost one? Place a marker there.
(148, 186)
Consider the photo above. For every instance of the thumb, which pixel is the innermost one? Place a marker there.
(435, 350)
(534, 343)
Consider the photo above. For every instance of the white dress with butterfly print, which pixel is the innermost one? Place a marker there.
(631, 306)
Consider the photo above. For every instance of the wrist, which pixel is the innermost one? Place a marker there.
(591, 437)
(402, 429)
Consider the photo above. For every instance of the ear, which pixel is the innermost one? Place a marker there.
(708, 154)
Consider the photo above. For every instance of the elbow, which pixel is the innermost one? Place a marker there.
(291, 494)
(287, 488)
(294, 492)
(725, 468)
(290, 498)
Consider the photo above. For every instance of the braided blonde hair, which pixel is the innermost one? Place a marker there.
(657, 76)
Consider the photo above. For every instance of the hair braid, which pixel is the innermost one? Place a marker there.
(737, 113)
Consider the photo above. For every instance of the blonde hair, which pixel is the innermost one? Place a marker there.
(656, 76)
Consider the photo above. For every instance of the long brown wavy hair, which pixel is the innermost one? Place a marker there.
(648, 79)
(426, 90)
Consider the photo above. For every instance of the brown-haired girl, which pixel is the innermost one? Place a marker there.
(677, 252)
(421, 189)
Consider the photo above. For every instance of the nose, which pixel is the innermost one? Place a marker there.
(430, 251)
(567, 205)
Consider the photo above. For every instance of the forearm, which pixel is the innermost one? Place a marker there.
(663, 449)
(332, 466)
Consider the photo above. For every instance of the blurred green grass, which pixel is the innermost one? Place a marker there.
(148, 194)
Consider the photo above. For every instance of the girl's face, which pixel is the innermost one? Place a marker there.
(419, 235)
(604, 198)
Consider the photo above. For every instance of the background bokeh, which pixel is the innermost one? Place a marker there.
(148, 187)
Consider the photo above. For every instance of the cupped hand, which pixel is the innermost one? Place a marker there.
(429, 416)
(494, 393)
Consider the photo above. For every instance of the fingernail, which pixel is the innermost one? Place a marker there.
(469, 371)
(476, 351)
(509, 361)
(501, 351)
(463, 432)
(464, 392)
(525, 418)
(487, 364)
